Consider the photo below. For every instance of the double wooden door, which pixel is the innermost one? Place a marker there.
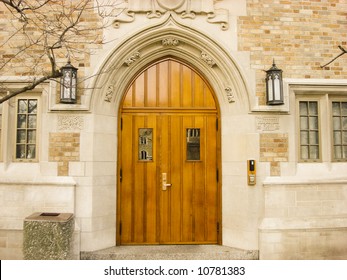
(168, 173)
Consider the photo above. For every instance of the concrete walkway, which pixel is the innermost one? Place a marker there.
(171, 252)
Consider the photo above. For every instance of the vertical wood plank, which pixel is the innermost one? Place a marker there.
(211, 180)
(175, 178)
(151, 187)
(151, 84)
(139, 187)
(139, 95)
(186, 87)
(175, 84)
(127, 183)
(163, 84)
(188, 185)
(199, 184)
(165, 211)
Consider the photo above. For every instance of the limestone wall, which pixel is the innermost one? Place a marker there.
(19, 198)
(304, 220)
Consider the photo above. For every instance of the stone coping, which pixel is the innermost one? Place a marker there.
(309, 223)
(38, 181)
(49, 217)
(294, 180)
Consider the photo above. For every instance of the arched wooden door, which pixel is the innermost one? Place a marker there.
(168, 189)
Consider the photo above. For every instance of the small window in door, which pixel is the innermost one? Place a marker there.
(193, 143)
(145, 144)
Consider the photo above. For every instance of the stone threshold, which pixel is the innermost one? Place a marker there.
(171, 252)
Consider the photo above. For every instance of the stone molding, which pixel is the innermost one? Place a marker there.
(174, 40)
(186, 9)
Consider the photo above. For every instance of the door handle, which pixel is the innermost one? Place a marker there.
(164, 183)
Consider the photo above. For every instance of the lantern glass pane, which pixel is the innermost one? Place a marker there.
(270, 89)
(277, 88)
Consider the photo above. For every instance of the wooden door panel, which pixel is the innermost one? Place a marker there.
(170, 98)
(139, 184)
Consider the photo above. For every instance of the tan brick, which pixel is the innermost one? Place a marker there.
(63, 148)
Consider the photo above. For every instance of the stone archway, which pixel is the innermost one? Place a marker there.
(126, 61)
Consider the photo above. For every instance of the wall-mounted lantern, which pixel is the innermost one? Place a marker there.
(68, 81)
(274, 86)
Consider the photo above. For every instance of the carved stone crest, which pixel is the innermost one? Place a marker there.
(267, 123)
(184, 8)
(70, 123)
(170, 42)
(109, 93)
(132, 58)
(170, 4)
(230, 94)
(205, 57)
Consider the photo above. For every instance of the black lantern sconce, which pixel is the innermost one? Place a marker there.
(274, 86)
(68, 81)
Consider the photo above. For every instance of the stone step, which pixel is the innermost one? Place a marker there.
(171, 252)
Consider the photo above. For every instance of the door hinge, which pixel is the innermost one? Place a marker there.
(121, 123)
(217, 175)
(217, 227)
(120, 228)
(121, 175)
(217, 124)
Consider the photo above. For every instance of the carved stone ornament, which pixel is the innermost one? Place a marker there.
(167, 42)
(230, 94)
(205, 57)
(132, 59)
(267, 123)
(184, 8)
(70, 123)
(109, 93)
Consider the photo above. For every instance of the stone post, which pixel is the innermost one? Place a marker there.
(48, 236)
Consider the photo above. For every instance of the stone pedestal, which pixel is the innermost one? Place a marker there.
(48, 236)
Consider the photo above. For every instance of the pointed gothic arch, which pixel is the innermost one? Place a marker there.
(119, 69)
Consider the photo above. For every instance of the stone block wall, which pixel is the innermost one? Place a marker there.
(304, 221)
(19, 199)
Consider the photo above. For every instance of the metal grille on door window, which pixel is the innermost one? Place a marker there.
(193, 143)
(145, 144)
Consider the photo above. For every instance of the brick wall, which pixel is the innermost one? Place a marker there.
(274, 149)
(23, 50)
(300, 35)
(63, 148)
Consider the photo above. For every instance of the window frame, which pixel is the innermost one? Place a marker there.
(332, 99)
(298, 129)
(31, 96)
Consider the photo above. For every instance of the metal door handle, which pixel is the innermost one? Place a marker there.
(164, 183)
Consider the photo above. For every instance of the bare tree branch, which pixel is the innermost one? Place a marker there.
(31, 86)
(344, 51)
(39, 35)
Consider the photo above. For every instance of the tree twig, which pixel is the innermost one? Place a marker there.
(342, 53)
